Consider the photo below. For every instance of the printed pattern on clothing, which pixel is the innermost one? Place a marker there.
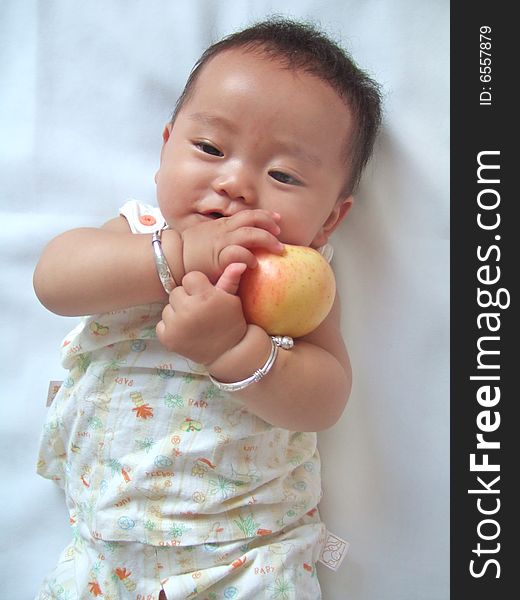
(281, 566)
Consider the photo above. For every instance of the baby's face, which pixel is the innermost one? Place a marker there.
(256, 135)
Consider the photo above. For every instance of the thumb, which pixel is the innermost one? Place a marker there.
(159, 330)
(230, 278)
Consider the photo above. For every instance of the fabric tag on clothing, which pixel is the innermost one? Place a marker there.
(54, 388)
(333, 552)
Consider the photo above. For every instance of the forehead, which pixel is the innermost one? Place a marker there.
(253, 86)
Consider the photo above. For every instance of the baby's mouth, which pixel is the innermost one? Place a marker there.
(214, 214)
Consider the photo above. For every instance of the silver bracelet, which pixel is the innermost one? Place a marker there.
(161, 264)
(284, 342)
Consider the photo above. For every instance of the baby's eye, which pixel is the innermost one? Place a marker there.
(208, 149)
(284, 178)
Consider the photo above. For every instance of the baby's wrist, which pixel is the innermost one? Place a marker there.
(240, 361)
(189, 251)
(197, 253)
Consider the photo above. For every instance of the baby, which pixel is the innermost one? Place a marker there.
(184, 437)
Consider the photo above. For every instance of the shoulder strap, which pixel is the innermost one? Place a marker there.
(142, 218)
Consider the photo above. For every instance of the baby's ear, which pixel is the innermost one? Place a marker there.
(165, 136)
(166, 132)
(339, 212)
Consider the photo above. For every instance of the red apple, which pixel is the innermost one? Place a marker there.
(288, 294)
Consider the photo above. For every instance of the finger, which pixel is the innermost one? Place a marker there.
(252, 237)
(160, 329)
(195, 282)
(164, 336)
(237, 254)
(230, 278)
(177, 296)
(261, 219)
(167, 316)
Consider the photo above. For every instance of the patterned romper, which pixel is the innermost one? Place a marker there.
(171, 484)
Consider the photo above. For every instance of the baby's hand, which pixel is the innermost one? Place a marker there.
(212, 246)
(202, 321)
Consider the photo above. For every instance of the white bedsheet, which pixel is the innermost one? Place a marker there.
(85, 89)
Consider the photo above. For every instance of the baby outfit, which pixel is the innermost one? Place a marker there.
(170, 483)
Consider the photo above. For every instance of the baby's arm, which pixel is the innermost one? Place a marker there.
(308, 386)
(88, 271)
(94, 270)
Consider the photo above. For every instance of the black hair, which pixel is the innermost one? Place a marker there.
(301, 46)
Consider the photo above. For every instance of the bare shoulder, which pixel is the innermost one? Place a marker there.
(119, 224)
(328, 336)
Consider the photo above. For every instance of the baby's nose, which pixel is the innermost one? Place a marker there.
(237, 184)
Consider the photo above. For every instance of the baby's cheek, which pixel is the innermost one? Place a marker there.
(295, 234)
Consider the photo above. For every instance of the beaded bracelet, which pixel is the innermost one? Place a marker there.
(277, 341)
(161, 264)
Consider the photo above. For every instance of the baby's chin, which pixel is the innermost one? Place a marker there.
(298, 241)
(302, 245)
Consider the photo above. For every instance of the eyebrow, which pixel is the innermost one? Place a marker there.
(303, 154)
(218, 121)
(214, 120)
